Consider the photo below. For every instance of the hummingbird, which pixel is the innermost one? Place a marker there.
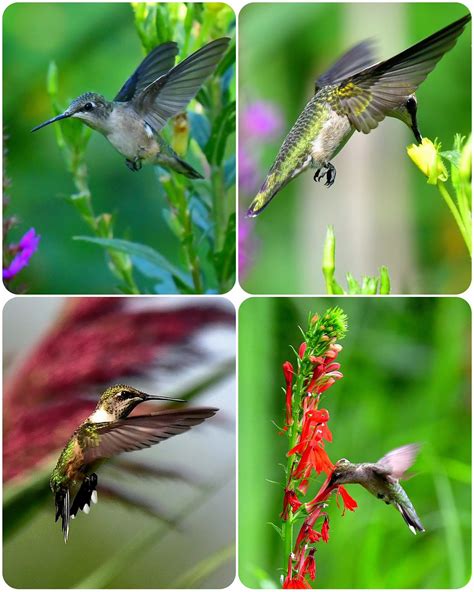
(382, 479)
(155, 92)
(109, 431)
(354, 94)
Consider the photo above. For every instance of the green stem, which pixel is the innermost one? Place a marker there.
(218, 203)
(187, 235)
(287, 526)
(455, 212)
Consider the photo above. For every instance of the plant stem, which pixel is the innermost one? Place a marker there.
(287, 527)
(177, 197)
(456, 215)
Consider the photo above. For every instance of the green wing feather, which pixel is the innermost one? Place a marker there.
(368, 96)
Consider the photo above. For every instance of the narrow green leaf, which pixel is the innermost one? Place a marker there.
(138, 250)
(277, 528)
(21, 501)
(197, 574)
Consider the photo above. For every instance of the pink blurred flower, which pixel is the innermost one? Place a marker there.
(261, 119)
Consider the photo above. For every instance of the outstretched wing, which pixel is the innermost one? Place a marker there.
(141, 431)
(170, 94)
(157, 63)
(367, 97)
(398, 461)
(358, 58)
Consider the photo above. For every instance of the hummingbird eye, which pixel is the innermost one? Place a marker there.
(88, 107)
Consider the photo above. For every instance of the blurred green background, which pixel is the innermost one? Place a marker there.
(406, 367)
(383, 211)
(96, 48)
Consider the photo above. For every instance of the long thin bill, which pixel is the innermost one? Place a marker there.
(158, 398)
(57, 118)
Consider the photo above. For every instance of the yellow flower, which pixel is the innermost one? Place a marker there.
(427, 159)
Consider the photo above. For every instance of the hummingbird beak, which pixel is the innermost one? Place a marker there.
(147, 397)
(57, 118)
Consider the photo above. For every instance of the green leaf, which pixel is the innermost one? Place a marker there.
(453, 156)
(225, 259)
(223, 127)
(113, 567)
(196, 575)
(229, 172)
(21, 501)
(200, 128)
(277, 528)
(142, 251)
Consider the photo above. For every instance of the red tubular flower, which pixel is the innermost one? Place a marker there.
(309, 566)
(325, 530)
(302, 349)
(294, 581)
(349, 502)
(297, 583)
(309, 432)
(290, 499)
(321, 496)
(315, 457)
(288, 372)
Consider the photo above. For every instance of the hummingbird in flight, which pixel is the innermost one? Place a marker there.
(354, 94)
(382, 479)
(109, 431)
(155, 92)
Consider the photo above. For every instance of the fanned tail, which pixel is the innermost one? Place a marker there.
(411, 518)
(62, 510)
(267, 192)
(86, 496)
(187, 170)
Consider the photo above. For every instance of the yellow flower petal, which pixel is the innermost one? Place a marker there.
(427, 159)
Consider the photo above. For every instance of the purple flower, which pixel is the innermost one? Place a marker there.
(249, 176)
(24, 250)
(261, 119)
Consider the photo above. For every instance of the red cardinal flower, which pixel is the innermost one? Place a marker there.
(349, 502)
(307, 428)
(290, 499)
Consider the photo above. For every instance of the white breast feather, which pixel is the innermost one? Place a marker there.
(100, 416)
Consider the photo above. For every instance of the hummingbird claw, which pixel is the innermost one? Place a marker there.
(328, 171)
(134, 165)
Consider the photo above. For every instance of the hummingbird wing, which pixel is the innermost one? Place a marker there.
(367, 96)
(169, 94)
(358, 58)
(140, 431)
(396, 462)
(159, 61)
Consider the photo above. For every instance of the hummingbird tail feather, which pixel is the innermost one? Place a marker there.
(267, 192)
(86, 496)
(187, 170)
(62, 510)
(411, 518)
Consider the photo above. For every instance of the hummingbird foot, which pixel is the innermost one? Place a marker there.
(328, 171)
(134, 165)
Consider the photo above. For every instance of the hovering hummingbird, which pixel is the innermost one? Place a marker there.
(154, 93)
(354, 94)
(382, 480)
(109, 431)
